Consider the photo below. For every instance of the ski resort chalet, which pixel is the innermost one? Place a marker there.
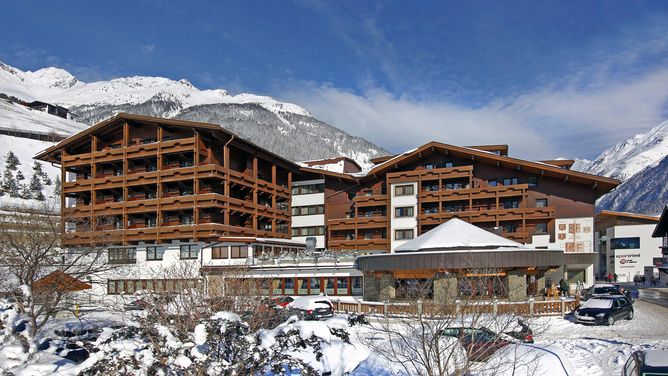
(164, 193)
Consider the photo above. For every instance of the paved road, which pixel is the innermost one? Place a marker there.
(658, 296)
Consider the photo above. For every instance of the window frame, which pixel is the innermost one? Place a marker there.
(545, 200)
(222, 255)
(409, 209)
(404, 231)
(404, 190)
(127, 255)
(189, 252)
(238, 252)
(156, 251)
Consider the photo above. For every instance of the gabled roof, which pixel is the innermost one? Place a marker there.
(48, 154)
(600, 183)
(618, 214)
(60, 281)
(661, 228)
(323, 163)
(458, 235)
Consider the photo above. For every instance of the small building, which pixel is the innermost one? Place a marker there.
(624, 243)
(460, 259)
(51, 109)
(661, 232)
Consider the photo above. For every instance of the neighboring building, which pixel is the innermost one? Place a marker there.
(406, 195)
(164, 193)
(51, 109)
(661, 232)
(624, 243)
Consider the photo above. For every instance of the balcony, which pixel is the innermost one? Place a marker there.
(371, 200)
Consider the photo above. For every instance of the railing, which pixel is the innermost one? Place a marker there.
(529, 307)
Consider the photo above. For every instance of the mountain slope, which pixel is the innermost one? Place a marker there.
(645, 192)
(630, 156)
(283, 128)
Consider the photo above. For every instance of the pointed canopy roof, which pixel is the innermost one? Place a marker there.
(456, 234)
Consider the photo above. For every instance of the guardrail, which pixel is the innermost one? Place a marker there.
(530, 307)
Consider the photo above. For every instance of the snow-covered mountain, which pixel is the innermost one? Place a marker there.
(630, 156)
(284, 128)
(641, 163)
(646, 192)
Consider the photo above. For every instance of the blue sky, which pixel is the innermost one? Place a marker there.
(549, 78)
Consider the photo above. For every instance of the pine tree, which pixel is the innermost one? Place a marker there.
(24, 192)
(39, 196)
(7, 180)
(57, 187)
(11, 161)
(35, 184)
(19, 176)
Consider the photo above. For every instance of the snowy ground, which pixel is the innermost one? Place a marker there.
(591, 350)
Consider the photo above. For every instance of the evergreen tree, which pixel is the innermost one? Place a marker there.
(57, 187)
(7, 180)
(39, 196)
(35, 184)
(19, 176)
(24, 192)
(11, 161)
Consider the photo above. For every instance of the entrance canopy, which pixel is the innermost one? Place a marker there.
(457, 235)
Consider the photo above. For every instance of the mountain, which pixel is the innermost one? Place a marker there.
(641, 163)
(646, 192)
(283, 128)
(628, 157)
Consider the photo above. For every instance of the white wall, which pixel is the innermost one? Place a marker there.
(403, 223)
(309, 220)
(630, 262)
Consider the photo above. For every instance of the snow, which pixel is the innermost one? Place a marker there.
(657, 358)
(597, 303)
(311, 302)
(456, 233)
(19, 117)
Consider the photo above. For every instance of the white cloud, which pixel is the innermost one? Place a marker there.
(570, 120)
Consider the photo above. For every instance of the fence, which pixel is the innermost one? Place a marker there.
(530, 307)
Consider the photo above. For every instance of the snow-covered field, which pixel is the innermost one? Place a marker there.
(590, 350)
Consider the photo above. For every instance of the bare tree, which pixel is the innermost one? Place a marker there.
(44, 277)
(453, 333)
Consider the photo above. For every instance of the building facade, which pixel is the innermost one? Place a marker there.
(186, 191)
(624, 243)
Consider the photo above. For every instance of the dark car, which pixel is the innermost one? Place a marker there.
(480, 343)
(647, 363)
(312, 307)
(600, 289)
(604, 310)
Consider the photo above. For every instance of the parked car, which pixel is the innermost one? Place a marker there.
(282, 301)
(312, 307)
(480, 343)
(647, 363)
(604, 310)
(600, 289)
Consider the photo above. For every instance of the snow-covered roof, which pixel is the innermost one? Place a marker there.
(457, 234)
(656, 358)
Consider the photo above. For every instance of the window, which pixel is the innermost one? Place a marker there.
(122, 255)
(112, 287)
(219, 253)
(511, 204)
(342, 285)
(403, 234)
(356, 285)
(625, 243)
(315, 285)
(308, 189)
(189, 252)
(308, 231)
(510, 227)
(429, 166)
(406, 211)
(510, 181)
(541, 228)
(308, 210)
(154, 253)
(403, 190)
(532, 181)
(492, 183)
(541, 202)
(239, 251)
(449, 164)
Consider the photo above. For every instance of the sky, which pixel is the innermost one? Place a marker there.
(549, 78)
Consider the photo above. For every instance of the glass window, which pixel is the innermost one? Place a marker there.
(329, 286)
(403, 234)
(315, 285)
(308, 231)
(511, 204)
(289, 285)
(122, 255)
(406, 211)
(302, 286)
(541, 228)
(356, 283)
(112, 287)
(219, 252)
(403, 190)
(308, 189)
(492, 183)
(239, 251)
(510, 181)
(342, 286)
(625, 243)
(154, 253)
(308, 210)
(532, 181)
(541, 202)
(189, 252)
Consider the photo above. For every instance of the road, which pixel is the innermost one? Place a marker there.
(658, 296)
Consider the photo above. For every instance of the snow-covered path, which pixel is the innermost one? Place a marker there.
(603, 350)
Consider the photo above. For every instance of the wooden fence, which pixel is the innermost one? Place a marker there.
(559, 307)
